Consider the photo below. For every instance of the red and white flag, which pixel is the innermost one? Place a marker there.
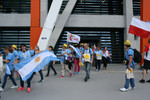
(72, 38)
(139, 28)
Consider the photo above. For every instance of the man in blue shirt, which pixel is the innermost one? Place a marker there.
(130, 66)
(9, 69)
(88, 60)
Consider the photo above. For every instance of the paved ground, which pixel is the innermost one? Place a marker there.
(103, 85)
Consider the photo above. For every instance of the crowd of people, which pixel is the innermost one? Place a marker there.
(86, 56)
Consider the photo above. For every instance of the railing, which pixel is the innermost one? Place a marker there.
(136, 7)
(15, 6)
(17, 36)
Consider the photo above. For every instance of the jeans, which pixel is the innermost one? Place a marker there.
(87, 69)
(105, 62)
(28, 81)
(41, 74)
(129, 81)
(76, 63)
(5, 80)
(51, 66)
(98, 62)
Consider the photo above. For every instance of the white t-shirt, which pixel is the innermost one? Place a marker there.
(147, 55)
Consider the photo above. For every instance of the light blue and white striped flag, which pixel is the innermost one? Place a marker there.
(34, 64)
(7, 70)
(77, 51)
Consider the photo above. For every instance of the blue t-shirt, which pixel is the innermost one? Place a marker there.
(52, 52)
(65, 55)
(25, 55)
(99, 52)
(81, 49)
(10, 58)
(130, 52)
(88, 51)
(15, 54)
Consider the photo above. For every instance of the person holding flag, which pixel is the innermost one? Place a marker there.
(9, 68)
(23, 56)
(37, 50)
(98, 60)
(77, 60)
(65, 53)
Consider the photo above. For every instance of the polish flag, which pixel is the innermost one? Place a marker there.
(139, 28)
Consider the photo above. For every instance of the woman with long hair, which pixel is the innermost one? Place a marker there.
(37, 49)
(106, 57)
(51, 63)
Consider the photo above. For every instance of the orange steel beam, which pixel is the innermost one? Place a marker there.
(145, 16)
(35, 29)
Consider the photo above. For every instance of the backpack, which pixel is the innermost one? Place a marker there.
(137, 56)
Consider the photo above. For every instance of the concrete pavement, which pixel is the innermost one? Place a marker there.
(103, 85)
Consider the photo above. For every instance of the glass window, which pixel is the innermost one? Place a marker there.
(17, 36)
(15, 6)
(136, 7)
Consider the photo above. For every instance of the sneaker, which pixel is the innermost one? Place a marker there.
(148, 81)
(21, 89)
(130, 88)
(46, 75)
(99, 70)
(70, 74)
(78, 73)
(28, 90)
(41, 81)
(96, 70)
(142, 81)
(14, 87)
(61, 76)
(75, 73)
(55, 74)
(85, 79)
(123, 89)
(1, 89)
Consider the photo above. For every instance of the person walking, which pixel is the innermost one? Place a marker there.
(76, 61)
(98, 60)
(88, 60)
(106, 57)
(9, 60)
(51, 63)
(65, 53)
(37, 50)
(15, 54)
(130, 66)
(23, 56)
(146, 66)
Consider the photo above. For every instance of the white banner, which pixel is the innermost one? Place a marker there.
(1, 63)
(72, 38)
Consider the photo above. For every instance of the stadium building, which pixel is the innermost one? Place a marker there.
(97, 21)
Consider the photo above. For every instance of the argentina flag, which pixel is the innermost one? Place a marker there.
(7, 70)
(76, 50)
(34, 64)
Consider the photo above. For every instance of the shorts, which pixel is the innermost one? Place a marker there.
(146, 64)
